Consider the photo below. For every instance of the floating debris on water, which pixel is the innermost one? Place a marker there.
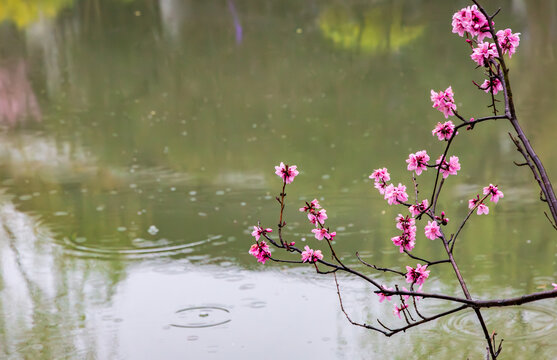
(153, 230)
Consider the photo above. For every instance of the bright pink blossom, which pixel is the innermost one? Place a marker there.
(397, 309)
(483, 53)
(286, 173)
(321, 233)
(418, 162)
(470, 20)
(444, 101)
(494, 192)
(381, 187)
(382, 296)
(380, 175)
(332, 235)
(258, 231)
(444, 131)
(448, 168)
(493, 85)
(405, 241)
(554, 286)
(310, 255)
(417, 275)
(432, 230)
(396, 194)
(318, 216)
(261, 251)
(415, 210)
(508, 41)
(404, 222)
(314, 204)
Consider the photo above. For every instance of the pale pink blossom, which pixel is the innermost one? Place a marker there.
(396, 194)
(318, 217)
(484, 53)
(405, 297)
(470, 20)
(314, 204)
(493, 85)
(321, 233)
(448, 168)
(554, 286)
(508, 41)
(380, 175)
(286, 173)
(415, 210)
(472, 202)
(494, 192)
(418, 162)
(417, 275)
(397, 309)
(258, 231)
(444, 101)
(381, 186)
(444, 131)
(261, 251)
(382, 296)
(432, 230)
(310, 255)
(483, 209)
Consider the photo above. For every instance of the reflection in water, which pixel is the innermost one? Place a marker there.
(17, 98)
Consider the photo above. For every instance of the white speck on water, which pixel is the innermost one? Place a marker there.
(153, 230)
(173, 189)
(219, 192)
(528, 241)
(80, 239)
(60, 213)
(326, 177)
(165, 150)
(243, 203)
(341, 228)
(193, 192)
(121, 228)
(100, 208)
(25, 197)
(133, 186)
(192, 199)
(202, 214)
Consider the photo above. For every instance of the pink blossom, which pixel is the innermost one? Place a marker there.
(418, 162)
(381, 186)
(444, 101)
(310, 255)
(396, 194)
(493, 85)
(415, 210)
(417, 275)
(380, 175)
(448, 168)
(321, 233)
(286, 173)
(494, 192)
(258, 231)
(554, 286)
(314, 204)
(508, 41)
(397, 310)
(483, 209)
(261, 251)
(405, 241)
(472, 202)
(318, 216)
(405, 297)
(432, 231)
(404, 223)
(483, 53)
(444, 131)
(470, 20)
(382, 296)
(332, 235)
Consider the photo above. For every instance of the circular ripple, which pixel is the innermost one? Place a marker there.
(512, 323)
(201, 317)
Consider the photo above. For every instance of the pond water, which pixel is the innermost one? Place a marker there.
(138, 146)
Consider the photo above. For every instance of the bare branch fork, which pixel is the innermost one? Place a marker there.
(496, 69)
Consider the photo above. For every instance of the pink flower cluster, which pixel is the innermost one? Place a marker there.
(448, 168)
(418, 162)
(324, 233)
(508, 42)
(381, 177)
(444, 131)
(382, 296)
(494, 192)
(286, 173)
(417, 275)
(397, 309)
(482, 208)
(258, 231)
(261, 251)
(444, 101)
(432, 230)
(492, 85)
(407, 240)
(396, 194)
(470, 20)
(484, 53)
(316, 215)
(310, 255)
(415, 210)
